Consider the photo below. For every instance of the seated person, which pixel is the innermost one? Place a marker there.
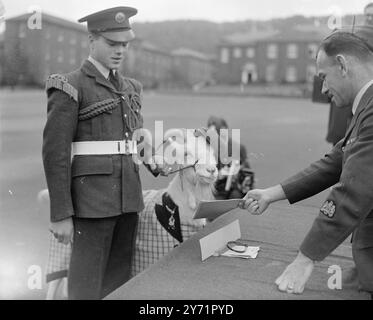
(236, 178)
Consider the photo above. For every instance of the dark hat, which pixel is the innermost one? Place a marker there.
(112, 23)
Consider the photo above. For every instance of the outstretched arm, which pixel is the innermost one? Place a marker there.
(257, 201)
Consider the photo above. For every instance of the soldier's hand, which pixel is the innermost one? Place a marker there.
(296, 275)
(160, 165)
(256, 201)
(63, 230)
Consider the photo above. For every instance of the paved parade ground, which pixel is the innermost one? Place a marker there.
(281, 137)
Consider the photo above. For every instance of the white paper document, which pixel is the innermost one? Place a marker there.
(216, 241)
(215, 208)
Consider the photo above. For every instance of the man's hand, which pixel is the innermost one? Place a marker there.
(296, 275)
(257, 201)
(63, 230)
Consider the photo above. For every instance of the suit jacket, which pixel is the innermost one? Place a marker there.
(349, 167)
(84, 106)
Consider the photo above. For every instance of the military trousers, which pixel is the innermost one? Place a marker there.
(101, 256)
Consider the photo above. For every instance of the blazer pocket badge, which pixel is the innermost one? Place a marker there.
(328, 209)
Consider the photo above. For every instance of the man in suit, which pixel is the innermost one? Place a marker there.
(345, 63)
(93, 113)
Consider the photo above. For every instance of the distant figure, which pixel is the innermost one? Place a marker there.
(232, 183)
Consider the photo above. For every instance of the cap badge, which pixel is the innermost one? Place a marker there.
(120, 17)
(328, 209)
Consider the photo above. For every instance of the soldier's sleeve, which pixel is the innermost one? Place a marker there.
(58, 135)
(317, 177)
(349, 202)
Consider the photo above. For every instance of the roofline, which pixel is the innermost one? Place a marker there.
(52, 20)
(270, 40)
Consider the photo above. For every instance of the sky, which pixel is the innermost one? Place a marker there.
(213, 10)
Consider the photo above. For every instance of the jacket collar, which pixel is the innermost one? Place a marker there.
(104, 71)
(360, 95)
(91, 71)
(364, 102)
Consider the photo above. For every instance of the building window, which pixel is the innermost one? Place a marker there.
(237, 53)
(291, 74)
(272, 51)
(22, 31)
(60, 57)
(271, 73)
(250, 52)
(224, 55)
(73, 56)
(47, 34)
(47, 54)
(312, 50)
(292, 51)
(311, 72)
(60, 37)
(73, 40)
(84, 43)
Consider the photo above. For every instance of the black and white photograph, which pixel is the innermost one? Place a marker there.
(195, 153)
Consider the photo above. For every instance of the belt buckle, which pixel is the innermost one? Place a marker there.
(124, 147)
(127, 147)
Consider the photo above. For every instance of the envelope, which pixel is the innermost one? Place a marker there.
(215, 208)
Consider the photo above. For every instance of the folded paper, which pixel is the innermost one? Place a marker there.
(217, 240)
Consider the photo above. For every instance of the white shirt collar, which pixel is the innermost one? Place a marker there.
(103, 70)
(360, 95)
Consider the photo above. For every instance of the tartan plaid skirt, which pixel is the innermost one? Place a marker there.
(152, 241)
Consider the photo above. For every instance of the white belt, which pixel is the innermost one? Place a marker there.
(104, 147)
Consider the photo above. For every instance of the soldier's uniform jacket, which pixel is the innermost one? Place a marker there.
(84, 106)
(349, 167)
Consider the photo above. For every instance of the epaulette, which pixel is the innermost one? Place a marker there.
(60, 82)
(136, 85)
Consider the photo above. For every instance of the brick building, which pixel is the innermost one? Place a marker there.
(60, 46)
(269, 56)
(148, 64)
(30, 55)
(193, 67)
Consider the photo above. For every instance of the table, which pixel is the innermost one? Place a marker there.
(181, 275)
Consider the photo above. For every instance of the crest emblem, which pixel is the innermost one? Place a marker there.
(328, 209)
(120, 17)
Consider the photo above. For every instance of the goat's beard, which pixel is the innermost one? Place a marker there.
(204, 191)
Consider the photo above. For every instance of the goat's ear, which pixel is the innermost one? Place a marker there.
(179, 134)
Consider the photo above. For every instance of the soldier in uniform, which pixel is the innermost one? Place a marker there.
(95, 197)
(345, 63)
